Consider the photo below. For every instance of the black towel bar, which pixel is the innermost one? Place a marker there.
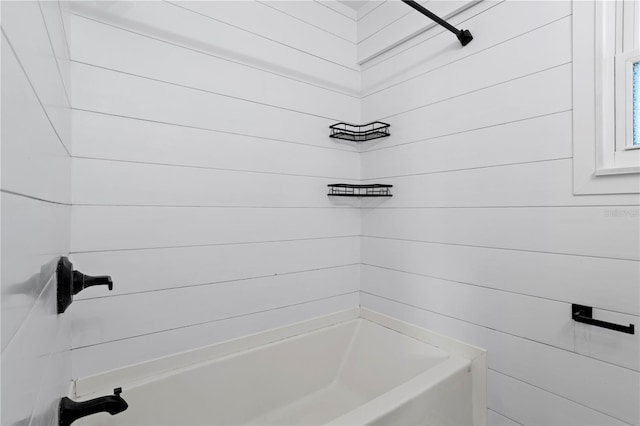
(584, 314)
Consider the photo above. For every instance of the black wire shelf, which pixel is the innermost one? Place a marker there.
(349, 190)
(360, 133)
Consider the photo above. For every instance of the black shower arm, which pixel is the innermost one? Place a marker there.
(463, 35)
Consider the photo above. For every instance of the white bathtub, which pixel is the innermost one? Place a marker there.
(356, 367)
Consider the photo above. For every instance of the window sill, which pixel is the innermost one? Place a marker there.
(618, 171)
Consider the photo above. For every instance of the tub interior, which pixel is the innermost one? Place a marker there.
(308, 379)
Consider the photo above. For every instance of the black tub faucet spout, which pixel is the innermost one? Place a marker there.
(70, 411)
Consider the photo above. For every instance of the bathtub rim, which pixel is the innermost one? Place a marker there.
(476, 355)
(377, 408)
(148, 371)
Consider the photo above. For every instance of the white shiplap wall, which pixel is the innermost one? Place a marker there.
(36, 208)
(201, 160)
(483, 239)
(200, 150)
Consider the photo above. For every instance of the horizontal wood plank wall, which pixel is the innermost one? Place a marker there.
(483, 239)
(201, 159)
(403, 24)
(35, 199)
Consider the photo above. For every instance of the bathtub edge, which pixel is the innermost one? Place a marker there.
(477, 356)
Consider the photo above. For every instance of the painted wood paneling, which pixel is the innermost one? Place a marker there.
(24, 361)
(610, 284)
(480, 159)
(181, 26)
(339, 8)
(120, 138)
(517, 57)
(531, 406)
(541, 138)
(367, 8)
(123, 183)
(379, 17)
(319, 16)
(565, 376)
(135, 271)
(55, 383)
(110, 47)
(553, 95)
(102, 320)
(538, 183)
(547, 230)
(53, 18)
(497, 24)
(497, 419)
(116, 228)
(256, 18)
(95, 359)
(35, 212)
(459, 19)
(65, 13)
(547, 321)
(24, 25)
(101, 90)
(202, 159)
(483, 239)
(403, 26)
(35, 234)
(30, 146)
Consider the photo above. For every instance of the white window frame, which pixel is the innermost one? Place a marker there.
(604, 159)
(626, 153)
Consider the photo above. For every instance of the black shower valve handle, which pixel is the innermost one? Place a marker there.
(82, 281)
(72, 282)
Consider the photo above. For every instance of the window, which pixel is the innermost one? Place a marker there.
(620, 51)
(627, 68)
(606, 41)
(636, 103)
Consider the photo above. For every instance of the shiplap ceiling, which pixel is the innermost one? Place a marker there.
(354, 4)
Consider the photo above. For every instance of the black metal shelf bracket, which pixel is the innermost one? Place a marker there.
(584, 314)
(359, 133)
(463, 35)
(349, 190)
